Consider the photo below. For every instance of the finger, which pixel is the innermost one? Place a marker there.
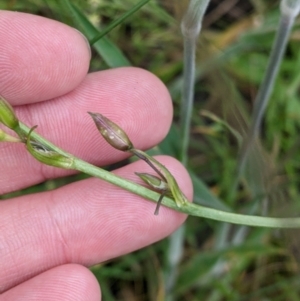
(40, 59)
(132, 97)
(62, 283)
(85, 222)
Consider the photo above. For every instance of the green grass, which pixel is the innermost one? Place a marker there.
(220, 262)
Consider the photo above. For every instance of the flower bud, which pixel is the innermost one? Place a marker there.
(7, 115)
(111, 132)
(46, 155)
(155, 182)
(4, 137)
(158, 184)
(178, 196)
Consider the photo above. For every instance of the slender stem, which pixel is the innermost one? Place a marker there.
(159, 203)
(263, 96)
(188, 208)
(187, 94)
(190, 27)
(144, 158)
(190, 33)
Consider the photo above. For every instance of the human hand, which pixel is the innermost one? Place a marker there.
(48, 239)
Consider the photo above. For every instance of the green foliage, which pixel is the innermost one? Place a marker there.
(221, 262)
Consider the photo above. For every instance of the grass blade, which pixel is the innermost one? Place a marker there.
(110, 53)
(118, 21)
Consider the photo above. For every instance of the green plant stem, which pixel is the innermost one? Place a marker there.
(190, 27)
(187, 95)
(189, 208)
(144, 157)
(118, 21)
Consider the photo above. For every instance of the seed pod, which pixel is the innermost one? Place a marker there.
(47, 156)
(178, 196)
(158, 184)
(111, 132)
(7, 115)
(155, 182)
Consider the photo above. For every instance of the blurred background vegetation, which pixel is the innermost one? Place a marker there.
(219, 261)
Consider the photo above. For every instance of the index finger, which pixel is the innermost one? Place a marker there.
(40, 59)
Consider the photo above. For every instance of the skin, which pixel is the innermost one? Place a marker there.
(47, 240)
